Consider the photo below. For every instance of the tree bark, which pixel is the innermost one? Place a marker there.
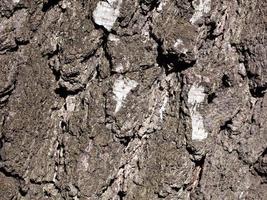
(124, 100)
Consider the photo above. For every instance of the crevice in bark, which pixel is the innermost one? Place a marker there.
(226, 124)
(4, 97)
(226, 81)
(34, 182)
(171, 62)
(53, 53)
(211, 31)
(211, 97)
(64, 92)
(125, 140)
(160, 196)
(107, 116)
(176, 189)
(56, 73)
(23, 192)
(148, 5)
(121, 195)
(8, 89)
(104, 45)
(106, 52)
(49, 4)
(11, 174)
(200, 164)
(258, 91)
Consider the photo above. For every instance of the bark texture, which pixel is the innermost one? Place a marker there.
(133, 99)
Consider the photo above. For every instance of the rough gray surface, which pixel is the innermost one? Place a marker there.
(121, 99)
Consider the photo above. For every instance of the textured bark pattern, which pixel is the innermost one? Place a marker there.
(123, 99)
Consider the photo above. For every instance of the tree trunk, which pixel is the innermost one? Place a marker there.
(124, 100)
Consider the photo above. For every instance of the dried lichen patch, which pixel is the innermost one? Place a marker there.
(106, 13)
(201, 8)
(196, 96)
(163, 107)
(121, 89)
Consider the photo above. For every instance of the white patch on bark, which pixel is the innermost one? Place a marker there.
(121, 89)
(160, 6)
(85, 163)
(16, 1)
(196, 96)
(113, 38)
(55, 174)
(201, 8)
(65, 4)
(70, 103)
(106, 13)
(119, 68)
(242, 69)
(85, 156)
(163, 107)
(178, 42)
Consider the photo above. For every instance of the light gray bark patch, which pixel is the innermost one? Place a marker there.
(196, 96)
(106, 13)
